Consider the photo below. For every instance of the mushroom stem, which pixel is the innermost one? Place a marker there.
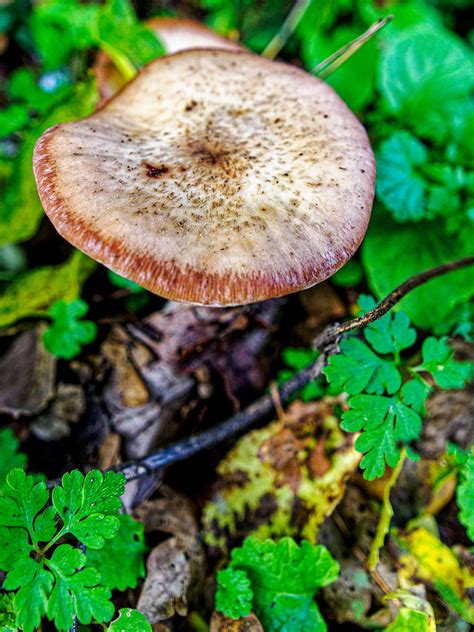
(287, 29)
(332, 63)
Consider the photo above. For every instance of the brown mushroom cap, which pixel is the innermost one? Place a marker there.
(214, 177)
(176, 34)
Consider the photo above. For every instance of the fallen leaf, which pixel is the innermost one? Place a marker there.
(427, 558)
(27, 374)
(267, 485)
(175, 567)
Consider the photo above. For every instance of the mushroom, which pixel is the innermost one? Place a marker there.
(175, 34)
(215, 177)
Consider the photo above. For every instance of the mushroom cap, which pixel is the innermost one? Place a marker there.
(214, 177)
(176, 34)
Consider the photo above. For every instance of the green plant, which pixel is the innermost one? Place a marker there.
(278, 580)
(297, 359)
(387, 393)
(47, 575)
(67, 333)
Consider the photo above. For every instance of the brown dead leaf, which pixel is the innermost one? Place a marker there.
(27, 374)
(175, 567)
(221, 623)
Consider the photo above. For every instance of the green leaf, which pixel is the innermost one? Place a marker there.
(130, 621)
(20, 207)
(120, 562)
(357, 368)
(385, 423)
(11, 457)
(390, 334)
(72, 26)
(424, 72)
(284, 578)
(35, 291)
(31, 599)
(438, 360)
(76, 590)
(298, 359)
(400, 184)
(350, 275)
(234, 593)
(393, 252)
(465, 496)
(14, 546)
(89, 506)
(67, 334)
(13, 118)
(124, 283)
(21, 500)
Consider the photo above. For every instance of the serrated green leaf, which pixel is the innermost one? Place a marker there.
(357, 368)
(234, 593)
(285, 578)
(130, 621)
(31, 599)
(76, 590)
(438, 360)
(120, 562)
(89, 506)
(21, 500)
(385, 422)
(14, 545)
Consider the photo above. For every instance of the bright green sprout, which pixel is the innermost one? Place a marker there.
(284, 577)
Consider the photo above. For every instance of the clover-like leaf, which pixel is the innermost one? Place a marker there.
(67, 334)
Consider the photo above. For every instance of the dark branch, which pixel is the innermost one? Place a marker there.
(327, 343)
(335, 331)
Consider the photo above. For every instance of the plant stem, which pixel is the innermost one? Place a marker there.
(386, 515)
(287, 29)
(121, 61)
(332, 63)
